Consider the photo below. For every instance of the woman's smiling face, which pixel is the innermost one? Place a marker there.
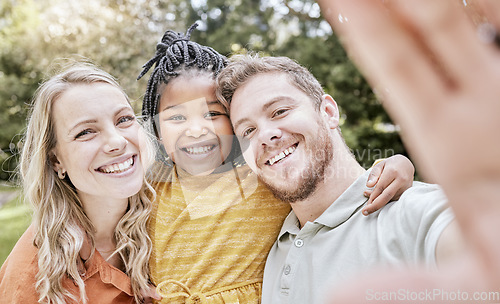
(98, 141)
(194, 126)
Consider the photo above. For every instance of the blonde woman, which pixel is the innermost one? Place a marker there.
(83, 173)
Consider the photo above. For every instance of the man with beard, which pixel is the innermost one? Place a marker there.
(289, 132)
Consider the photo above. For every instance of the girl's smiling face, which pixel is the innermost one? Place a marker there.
(194, 126)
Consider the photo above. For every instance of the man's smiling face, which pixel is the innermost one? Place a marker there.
(285, 140)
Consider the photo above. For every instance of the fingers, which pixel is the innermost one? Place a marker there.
(393, 176)
(444, 28)
(391, 193)
(382, 194)
(375, 174)
(368, 32)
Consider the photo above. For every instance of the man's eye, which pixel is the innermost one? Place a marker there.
(247, 132)
(213, 114)
(279, 112)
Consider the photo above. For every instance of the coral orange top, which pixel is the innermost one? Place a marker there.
(103, 282)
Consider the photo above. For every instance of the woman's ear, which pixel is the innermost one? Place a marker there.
(330, 111)
(56, 165)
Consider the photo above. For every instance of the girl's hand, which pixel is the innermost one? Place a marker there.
(390, 178)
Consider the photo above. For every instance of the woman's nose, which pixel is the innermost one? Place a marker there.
(115, 141)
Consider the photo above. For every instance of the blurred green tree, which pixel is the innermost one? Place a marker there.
(296, 29)
(121, 35)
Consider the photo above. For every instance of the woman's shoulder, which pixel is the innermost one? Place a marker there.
(24, 251)
(17, 275)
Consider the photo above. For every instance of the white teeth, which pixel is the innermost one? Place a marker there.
(117, 168)
(282, 155)
(198, 150)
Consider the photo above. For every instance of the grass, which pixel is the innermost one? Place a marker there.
(14, 219)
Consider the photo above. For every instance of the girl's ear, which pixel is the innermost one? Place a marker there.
(330, 111)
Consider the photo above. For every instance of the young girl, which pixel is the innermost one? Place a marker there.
(213, 222)
(83, 173)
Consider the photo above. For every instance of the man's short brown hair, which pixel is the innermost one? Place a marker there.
(243, 67)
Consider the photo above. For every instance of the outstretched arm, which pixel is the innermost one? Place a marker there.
(436, 65)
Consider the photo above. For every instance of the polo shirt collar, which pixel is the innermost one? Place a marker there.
(346, 204)
(339, 211)
(290, 225)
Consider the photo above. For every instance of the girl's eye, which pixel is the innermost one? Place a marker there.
(83, 133)
(176, 118)
(124, 119)
(247, 132)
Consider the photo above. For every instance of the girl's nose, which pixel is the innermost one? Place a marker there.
(197, 130)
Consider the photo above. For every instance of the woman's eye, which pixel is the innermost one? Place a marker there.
(124, 119)
(83, 133)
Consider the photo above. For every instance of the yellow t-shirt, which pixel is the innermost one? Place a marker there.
(211, 236)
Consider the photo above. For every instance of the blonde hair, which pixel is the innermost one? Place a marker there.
(60, 222)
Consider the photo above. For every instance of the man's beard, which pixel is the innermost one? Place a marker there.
(320, 158)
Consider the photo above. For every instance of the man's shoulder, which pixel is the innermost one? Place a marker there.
(425, 187)
(423, 192)
(419, 201)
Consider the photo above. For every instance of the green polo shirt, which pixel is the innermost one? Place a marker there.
(304, 265)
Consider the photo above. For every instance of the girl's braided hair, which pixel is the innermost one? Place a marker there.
(174, 54)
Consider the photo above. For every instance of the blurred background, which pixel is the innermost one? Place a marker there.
(120, 36)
